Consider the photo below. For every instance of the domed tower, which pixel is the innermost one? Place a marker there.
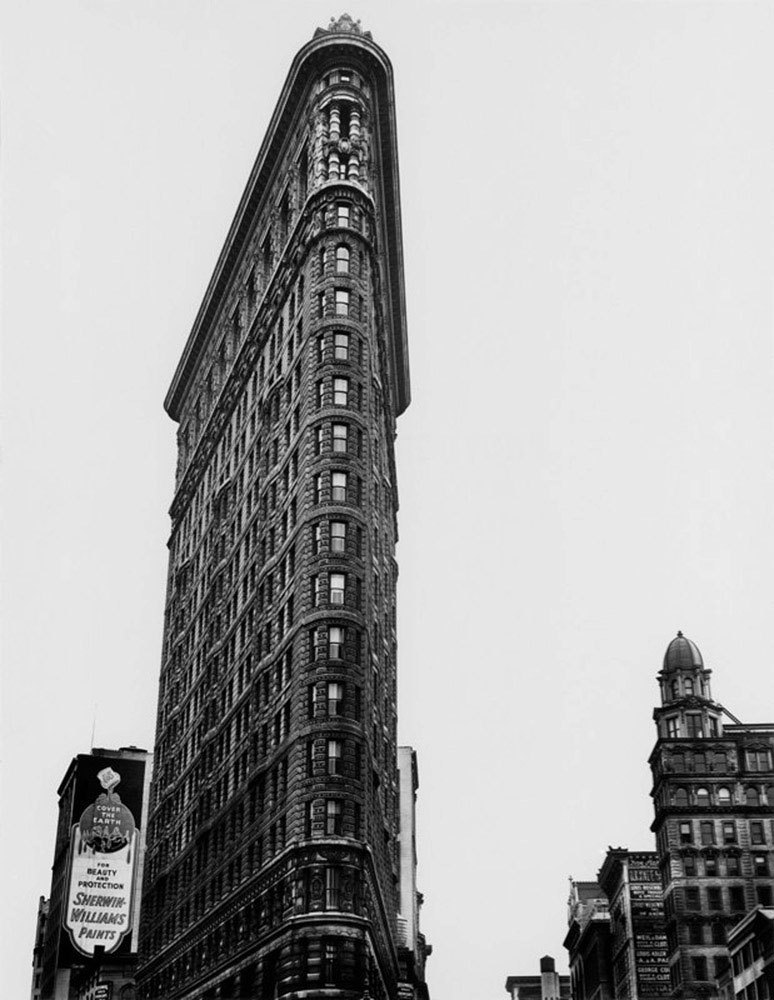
(713, 796)
(687, 709)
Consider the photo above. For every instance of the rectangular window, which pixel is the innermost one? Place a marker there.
(320, 394)
(320, 441)
(315, 591)
(758, 760)
(334, 757)
(692, 900)
(736, 896)
(318, 488)
(335, 698)
(699, 967)
(309, 818)
(711, 867)
(341, 346)
(316, 538)
(715, 898)
(342, 214)
(696, 933)
(331, 888)
(732, 865)
(333, 817)
(760, 864)
(342, 302)
(340, 391)
(337, 585)
(756, 832)
(764, 895)
(671, 725)
(689, 864)
(335, 642)
(340, 437)
(686, 832)
(339, 487)
(320, 305)
(693, 725)
(330, 964)
(729, 832)
(338, 536)
(707, 828)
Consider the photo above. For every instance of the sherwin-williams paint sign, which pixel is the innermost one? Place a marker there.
(103, 858)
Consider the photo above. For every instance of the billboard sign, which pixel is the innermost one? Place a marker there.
(104, 847)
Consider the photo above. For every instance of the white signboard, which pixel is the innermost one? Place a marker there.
(103, 858)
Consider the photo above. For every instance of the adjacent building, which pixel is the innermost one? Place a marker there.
(88, 930)
(549, 985)
(713, 794)
(275, 851)
(638, 947)
(750, 975)
(588, 942)
(616, 939)
(37, 951)
(413, 950)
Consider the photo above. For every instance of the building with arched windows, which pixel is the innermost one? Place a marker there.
(713, 794)
(273, 865)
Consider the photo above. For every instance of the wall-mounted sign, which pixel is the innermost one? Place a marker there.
(104, 844)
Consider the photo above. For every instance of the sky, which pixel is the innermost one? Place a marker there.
(586, 465)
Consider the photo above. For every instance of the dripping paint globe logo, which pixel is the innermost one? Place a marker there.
(107, 825)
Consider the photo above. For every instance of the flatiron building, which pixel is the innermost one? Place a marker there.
(272, 865)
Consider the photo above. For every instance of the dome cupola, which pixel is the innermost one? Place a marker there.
(682, 654)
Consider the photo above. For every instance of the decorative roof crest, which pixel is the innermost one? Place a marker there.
(344, 25)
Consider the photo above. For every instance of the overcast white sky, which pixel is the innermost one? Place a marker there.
(587, 462)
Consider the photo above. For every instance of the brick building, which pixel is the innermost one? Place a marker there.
(88, 928)
(616, 939)
(37, 951)
(588, 942)
(273, 859)
(638, 947)
(713, 794)
(549, 985)
(750, 975)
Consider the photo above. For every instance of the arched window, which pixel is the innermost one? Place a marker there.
(724, 796)
(681, 796)
(752, 797)
(702, 796)
(342, 259)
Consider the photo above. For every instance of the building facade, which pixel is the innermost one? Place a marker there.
(588, 942)
(549, 985)
(37, 951)
(713, 795)
(91, 926)
(638, 947)
(273, 859)
(750, 975)
(413, 950)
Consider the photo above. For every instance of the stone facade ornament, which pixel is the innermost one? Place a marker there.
(347, 25)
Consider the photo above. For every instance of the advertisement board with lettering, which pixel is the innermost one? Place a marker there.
(648, 927)
(104, 847)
